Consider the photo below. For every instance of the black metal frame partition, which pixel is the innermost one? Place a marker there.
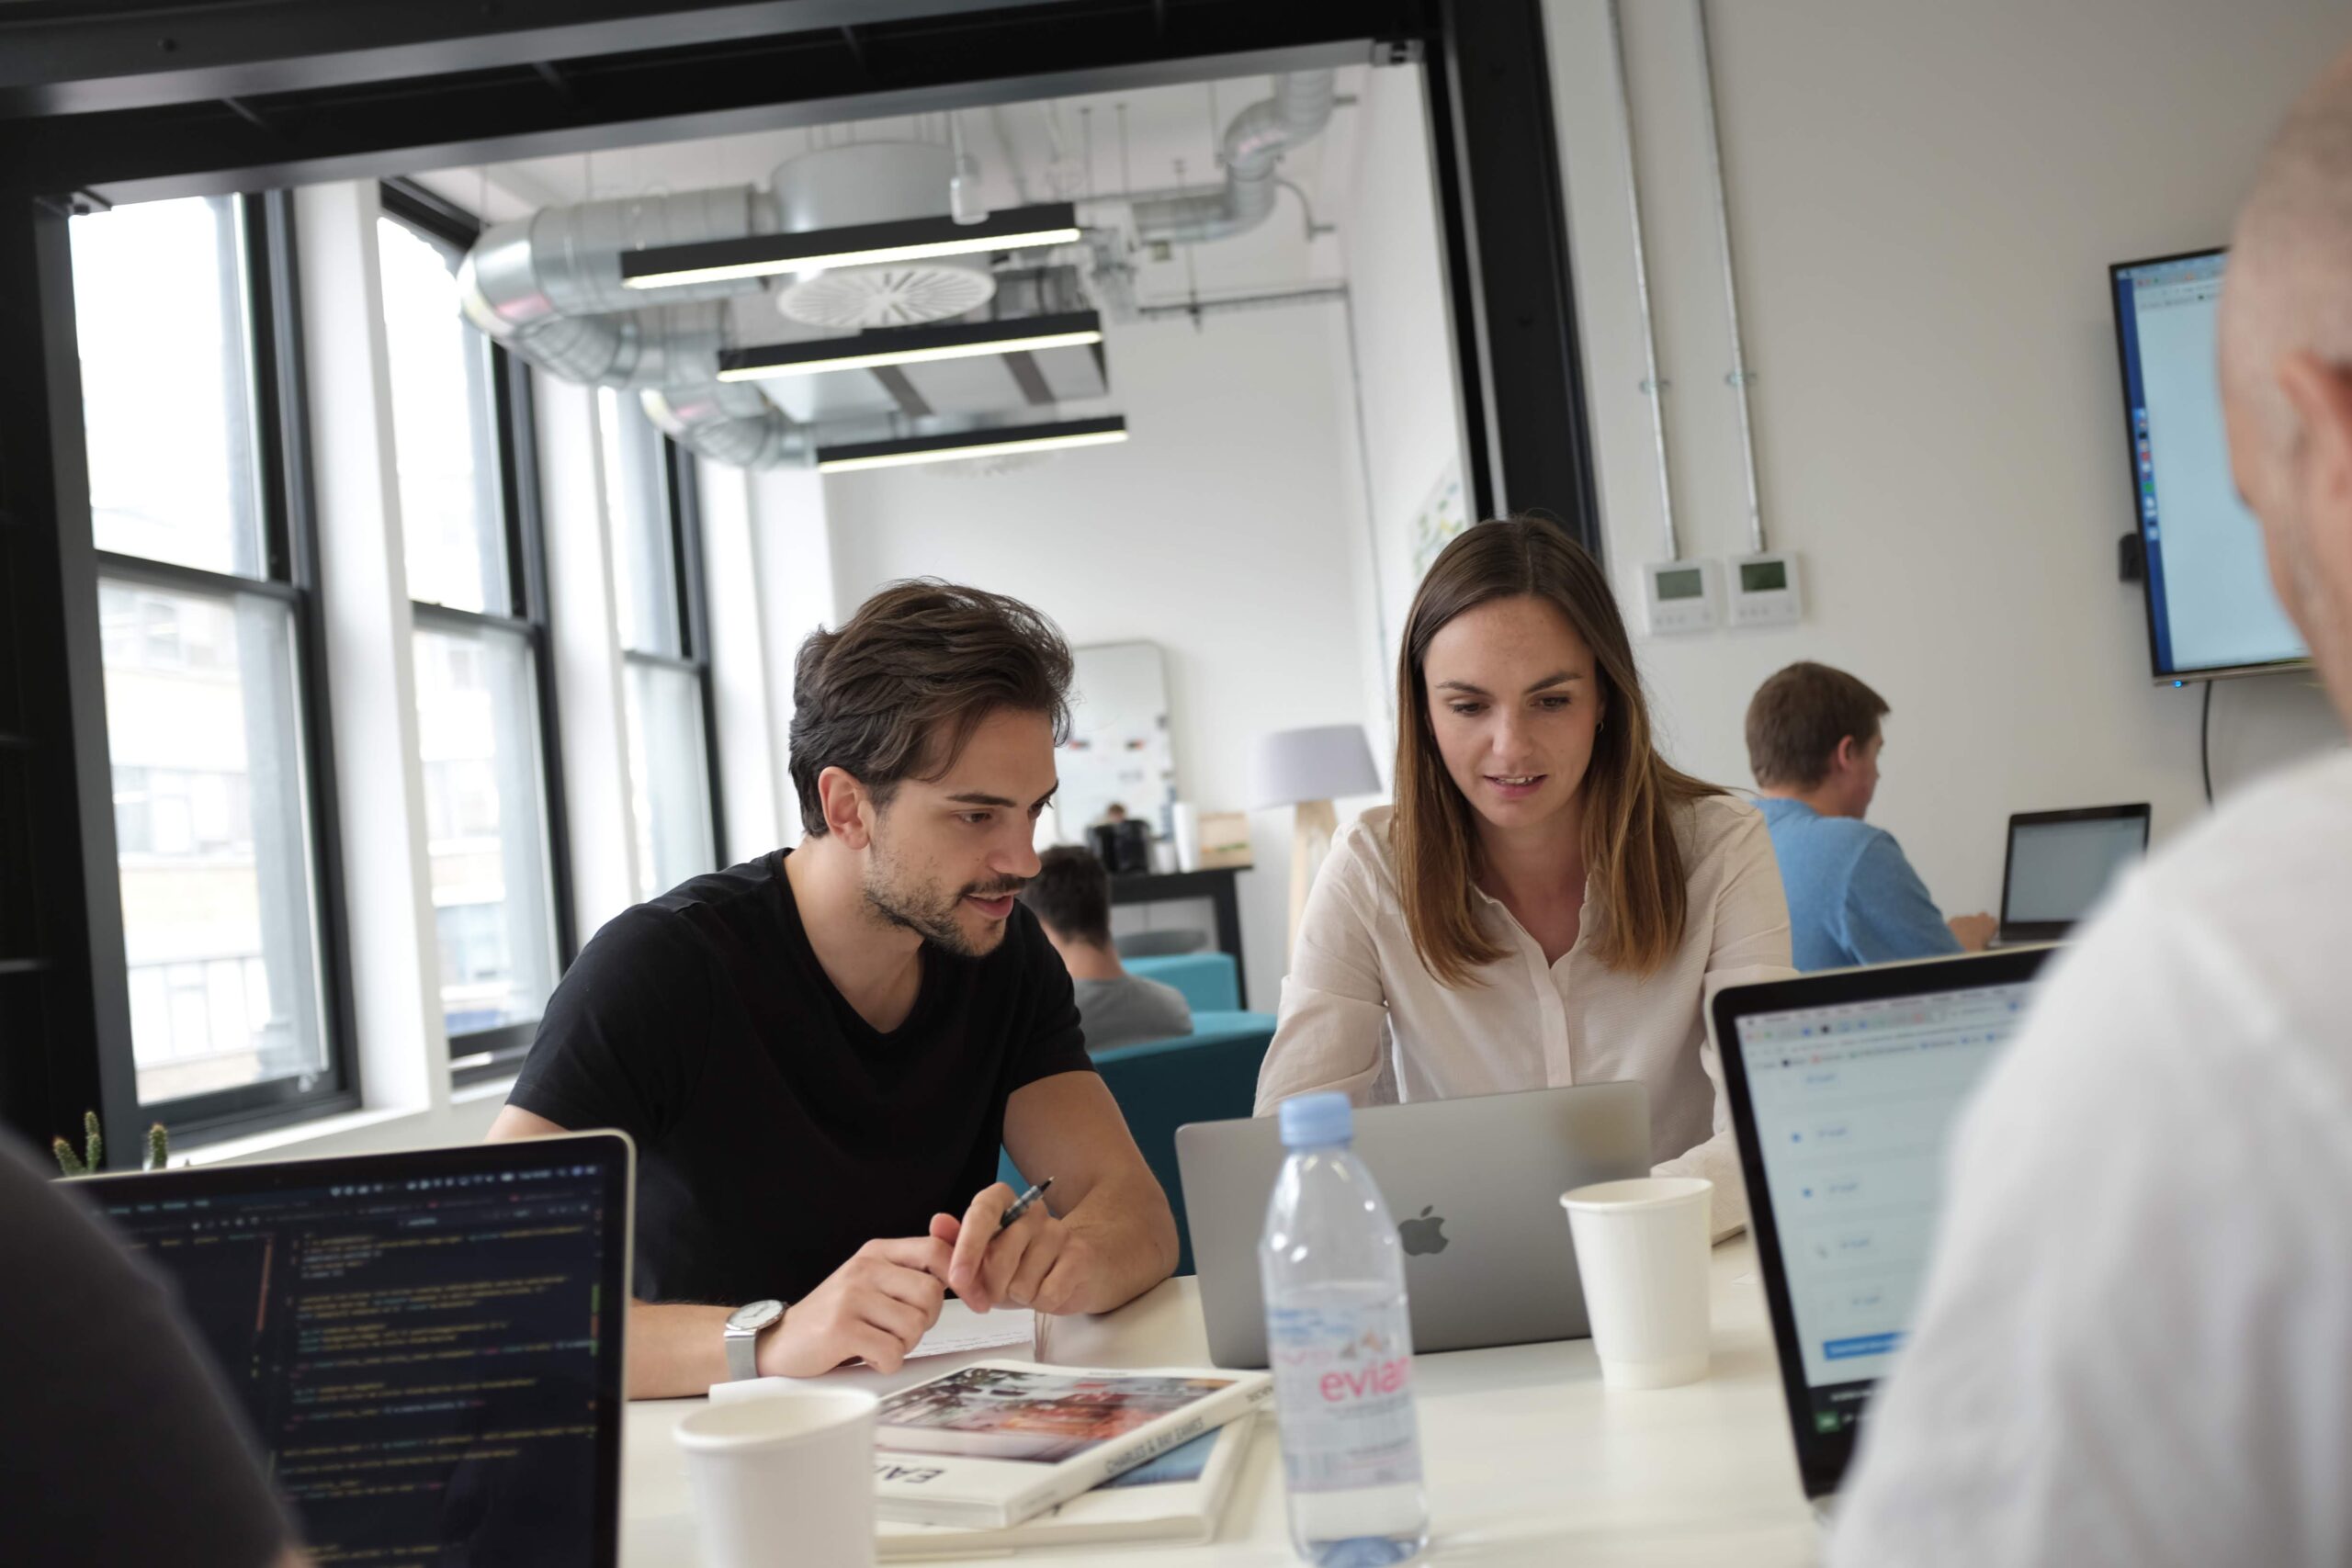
(273, 93)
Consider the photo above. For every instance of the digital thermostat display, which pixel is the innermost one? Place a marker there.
(1763, 576)
(1691, 583)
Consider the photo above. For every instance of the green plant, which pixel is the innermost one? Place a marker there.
(92, 1158)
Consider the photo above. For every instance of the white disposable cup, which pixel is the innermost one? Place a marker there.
(787, 1480)
(1642, 1252)
(1184, 818)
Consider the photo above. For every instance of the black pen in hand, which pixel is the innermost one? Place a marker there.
(1021, 1204)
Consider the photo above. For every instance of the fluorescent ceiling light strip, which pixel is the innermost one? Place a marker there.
(951, 454)
(956, 247)
(912, 356)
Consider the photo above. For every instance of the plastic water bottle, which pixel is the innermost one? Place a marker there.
(1341, 1349)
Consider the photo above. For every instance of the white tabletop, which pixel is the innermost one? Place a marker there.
(1528, 1459)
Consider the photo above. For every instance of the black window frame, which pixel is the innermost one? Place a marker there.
(482, 1054)
(681, 495)
(271, 276)
(286, 95)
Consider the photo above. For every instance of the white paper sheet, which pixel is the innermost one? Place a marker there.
(961, 1330)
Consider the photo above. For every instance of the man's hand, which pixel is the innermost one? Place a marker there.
(1976, 931)
(1037, 1261)
(876, 1306)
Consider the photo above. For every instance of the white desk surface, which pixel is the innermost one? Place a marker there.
(1529, 1460)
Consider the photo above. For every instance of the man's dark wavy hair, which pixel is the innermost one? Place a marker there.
(895, 693)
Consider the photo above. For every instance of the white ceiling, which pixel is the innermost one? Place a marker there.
(1061, 149)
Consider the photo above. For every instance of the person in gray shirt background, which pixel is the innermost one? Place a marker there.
(1070, 895)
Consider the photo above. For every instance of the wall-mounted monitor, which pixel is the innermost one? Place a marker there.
(2210, 608)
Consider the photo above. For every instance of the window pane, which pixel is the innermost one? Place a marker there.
(486, 827)
(168, 402)
(637, 508)
(443, 430)
(669, 785)
(219, 908)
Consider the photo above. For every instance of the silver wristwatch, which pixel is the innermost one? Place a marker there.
(744, 1325)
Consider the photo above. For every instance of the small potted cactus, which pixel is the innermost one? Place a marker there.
(92, 1157)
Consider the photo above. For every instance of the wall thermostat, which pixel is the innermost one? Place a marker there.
(1764, 589)
(1679, 596)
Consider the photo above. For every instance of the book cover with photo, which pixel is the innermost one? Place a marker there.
(994, 1443)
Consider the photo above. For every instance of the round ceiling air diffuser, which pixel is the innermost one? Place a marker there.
(899, 294)
(986, 466)
(867, 183)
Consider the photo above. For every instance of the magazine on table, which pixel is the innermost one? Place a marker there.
(1178, 1499)
(995, 1443)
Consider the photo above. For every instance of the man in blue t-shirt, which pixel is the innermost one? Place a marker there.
(1812, 743)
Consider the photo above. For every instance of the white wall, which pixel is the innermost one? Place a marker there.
(793, 562)
(1220, 530)
(1403, 342)
(1924, 201)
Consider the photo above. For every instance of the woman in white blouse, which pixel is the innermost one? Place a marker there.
(1547, 902)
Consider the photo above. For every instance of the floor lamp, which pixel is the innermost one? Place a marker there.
(1309, 768)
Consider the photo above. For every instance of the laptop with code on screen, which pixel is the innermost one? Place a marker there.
(427, 1344)
(1844, 1086)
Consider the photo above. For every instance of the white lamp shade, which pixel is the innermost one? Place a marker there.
(1323, 762)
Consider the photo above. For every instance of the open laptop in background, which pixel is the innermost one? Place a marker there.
(1474, 1185)
(2061, 862)
(428, 1344)
(1844, 1086)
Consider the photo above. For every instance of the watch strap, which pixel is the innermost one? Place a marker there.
(742, 1354)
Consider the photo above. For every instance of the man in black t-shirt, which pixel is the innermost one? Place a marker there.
(819, 1051)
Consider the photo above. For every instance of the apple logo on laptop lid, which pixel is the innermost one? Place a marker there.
(1423, 1234)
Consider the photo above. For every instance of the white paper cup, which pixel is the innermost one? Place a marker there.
(787, 1481)
(1185, 820)
(1641, 1251)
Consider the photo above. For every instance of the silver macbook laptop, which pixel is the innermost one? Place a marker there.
(1475, 1187)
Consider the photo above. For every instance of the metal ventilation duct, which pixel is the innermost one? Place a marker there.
(1254, 142)
(549, 288)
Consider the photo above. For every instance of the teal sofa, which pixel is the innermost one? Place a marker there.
(1206, 979)
(1210, 1074)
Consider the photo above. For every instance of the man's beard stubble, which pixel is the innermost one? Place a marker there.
(931, 916)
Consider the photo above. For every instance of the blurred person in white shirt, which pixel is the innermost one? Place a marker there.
(2134, 1342)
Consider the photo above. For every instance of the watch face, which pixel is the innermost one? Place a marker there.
(754, 1315)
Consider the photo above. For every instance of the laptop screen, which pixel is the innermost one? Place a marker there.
(2058, 870)
(1853, 1104)
(426, 1344)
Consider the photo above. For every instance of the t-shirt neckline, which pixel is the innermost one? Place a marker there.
(853, 1023)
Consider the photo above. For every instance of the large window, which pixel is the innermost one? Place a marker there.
(657, 580)
(208, 624)
(484, 707)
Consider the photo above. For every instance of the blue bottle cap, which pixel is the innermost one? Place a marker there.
(1318, 1120)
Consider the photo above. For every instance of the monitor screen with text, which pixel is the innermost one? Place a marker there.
(2210, 607)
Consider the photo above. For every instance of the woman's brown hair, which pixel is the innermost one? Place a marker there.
(1630, 794)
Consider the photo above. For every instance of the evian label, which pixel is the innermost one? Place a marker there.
(1343, 1385)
